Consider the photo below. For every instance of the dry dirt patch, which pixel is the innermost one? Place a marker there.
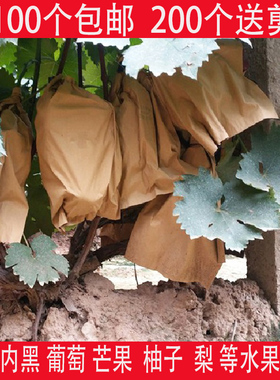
(95, 311)
(109, 306)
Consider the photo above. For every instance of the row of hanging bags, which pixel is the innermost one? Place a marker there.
(14, 167)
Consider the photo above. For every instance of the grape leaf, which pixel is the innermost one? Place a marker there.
(91, 76)
(25, 57)
(60, 42)
(39, 214)
(251, 206)
(135, 41)
(260, 167)
(71, 64)
(37, 262)
(163, 55)
(229, 163)
(51, 51)
(7, 56)
(234, 212)
(7, 83)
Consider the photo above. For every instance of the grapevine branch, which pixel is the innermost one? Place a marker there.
(85, 251)
(36, 323)
(91, 231)
(96, 258)
(36, 77)
(64, 56)
(32, 100)
(80, 64)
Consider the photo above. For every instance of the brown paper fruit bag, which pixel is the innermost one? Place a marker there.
(14, 168)
(157, 242)
(169, 147)
(143, 177)
(150, 148)
(79, 153)
(221, 103)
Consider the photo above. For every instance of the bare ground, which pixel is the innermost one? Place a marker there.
(110, 306)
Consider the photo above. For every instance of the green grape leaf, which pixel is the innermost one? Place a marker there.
(229, 163)
(92, 72)
(50, 53)
(187, 53)
(234, 213)
(7, 56)
(37, 262)
(91, 76)
(135, 41)
(39, 214)
(71, 64)
(25, 55)
(260, 167)
(92, 52)
(7, 83)
(59, 42)
(251, 206)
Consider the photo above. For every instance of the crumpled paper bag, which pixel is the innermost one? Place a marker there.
(115, 233)
(143, 174)
(14, 168)
(79, 153)
(157, 242)
(221, 103)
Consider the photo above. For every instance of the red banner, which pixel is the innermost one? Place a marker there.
(123, 360)
(125, 18)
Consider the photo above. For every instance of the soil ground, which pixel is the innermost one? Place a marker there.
(121, 302)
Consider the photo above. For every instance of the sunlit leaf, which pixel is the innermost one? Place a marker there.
(163, 55)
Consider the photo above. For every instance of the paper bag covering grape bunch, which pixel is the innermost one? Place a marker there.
(14, 167)
(98, 158)
(79, 153)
